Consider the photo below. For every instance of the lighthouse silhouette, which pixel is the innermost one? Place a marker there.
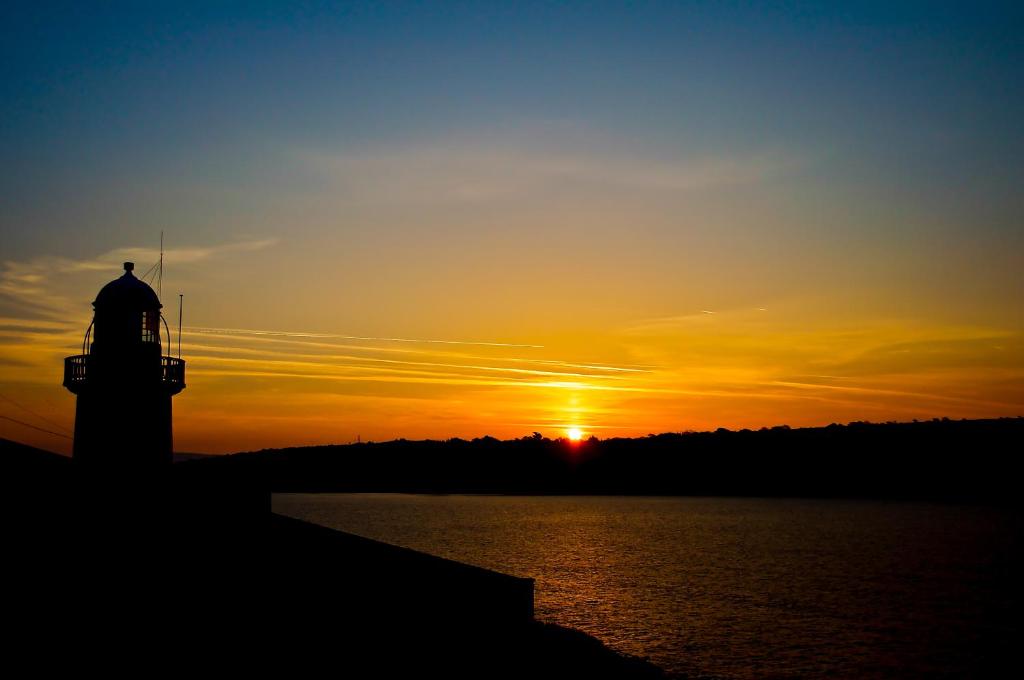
(123, 381)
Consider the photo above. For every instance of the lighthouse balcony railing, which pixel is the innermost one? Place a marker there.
(77, 370)
(172, 371)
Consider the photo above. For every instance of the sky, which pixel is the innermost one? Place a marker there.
(434, 220)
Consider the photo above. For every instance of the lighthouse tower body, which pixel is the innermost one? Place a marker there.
(123, 382)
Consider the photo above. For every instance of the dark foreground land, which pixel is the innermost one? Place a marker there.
(186, 570)
(941, 460)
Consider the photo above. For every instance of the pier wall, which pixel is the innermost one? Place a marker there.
(375, 580)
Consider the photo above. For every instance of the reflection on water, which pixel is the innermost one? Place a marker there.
(734, 588)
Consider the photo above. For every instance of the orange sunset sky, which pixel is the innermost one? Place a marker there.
(427, 224)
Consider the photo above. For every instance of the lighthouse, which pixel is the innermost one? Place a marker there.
(123, 382)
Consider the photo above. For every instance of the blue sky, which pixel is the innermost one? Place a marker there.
(923, 95)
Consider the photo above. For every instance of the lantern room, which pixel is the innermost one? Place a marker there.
(122, 379)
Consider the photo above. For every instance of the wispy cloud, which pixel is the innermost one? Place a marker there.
(696, 318)
(470, 170)
(44, 285)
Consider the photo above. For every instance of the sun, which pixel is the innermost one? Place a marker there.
(575, 434)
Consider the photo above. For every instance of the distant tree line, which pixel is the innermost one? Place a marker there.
(942, 459)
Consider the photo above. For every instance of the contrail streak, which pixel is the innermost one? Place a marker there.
(351, 361)
(310, 343)
(288, 334)
(421, 377)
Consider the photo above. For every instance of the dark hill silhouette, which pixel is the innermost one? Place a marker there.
(17, 455)
(181, 456)
(965, 460)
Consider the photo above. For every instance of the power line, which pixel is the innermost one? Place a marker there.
(21, 422)
(26, 409)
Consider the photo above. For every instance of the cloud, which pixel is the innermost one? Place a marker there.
(993, 349)
(463, 170)
(37, 287)
(689, 321)
(36, 270)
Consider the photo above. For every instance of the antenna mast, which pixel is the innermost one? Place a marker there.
(160, 274)
(181, 302)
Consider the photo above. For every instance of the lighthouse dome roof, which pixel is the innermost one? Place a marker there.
(127, 293)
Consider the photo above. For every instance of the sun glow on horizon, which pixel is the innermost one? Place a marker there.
(575, 434)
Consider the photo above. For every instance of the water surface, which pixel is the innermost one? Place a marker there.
(734, 588)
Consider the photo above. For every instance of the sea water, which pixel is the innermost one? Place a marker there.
(735, 587)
